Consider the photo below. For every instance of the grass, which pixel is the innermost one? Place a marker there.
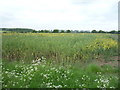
(45, 76)
(57, 47)
(58, 60)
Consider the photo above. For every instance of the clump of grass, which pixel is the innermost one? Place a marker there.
(93, 68)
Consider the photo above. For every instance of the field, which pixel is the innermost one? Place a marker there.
(59, 60)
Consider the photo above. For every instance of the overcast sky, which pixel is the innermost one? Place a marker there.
(59, 14)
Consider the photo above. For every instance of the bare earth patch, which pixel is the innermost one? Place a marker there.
(114, 61)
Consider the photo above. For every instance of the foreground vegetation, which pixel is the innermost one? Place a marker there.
(44, 76)
(60, 60)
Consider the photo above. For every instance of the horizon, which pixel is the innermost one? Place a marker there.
(60, 29)
(62, 15)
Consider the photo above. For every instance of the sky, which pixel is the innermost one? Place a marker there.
(59, 14)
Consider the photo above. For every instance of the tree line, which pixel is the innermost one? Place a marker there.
(75, 31)
(25, 30)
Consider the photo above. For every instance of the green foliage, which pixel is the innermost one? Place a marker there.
(41, 31)
(55, 31)
(46, 31)
(67, 47)
(68, 31)
(113, 32)
(57, 60)
(26, 30)
(34, 31)
(20, 30)
(94, 31)
(93, 68)
(45, 76)
(101, 31)
(62, 31)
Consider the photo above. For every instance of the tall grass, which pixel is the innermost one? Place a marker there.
(58, 47)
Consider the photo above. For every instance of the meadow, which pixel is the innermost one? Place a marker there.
(59, 60)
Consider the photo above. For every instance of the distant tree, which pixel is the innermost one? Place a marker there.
(94, 31)
(76, 31)
(81, 31)
(62, 31)
(113, 31)
(3, 29)
(86, 31)
(34, 31)
(68, 31)
(42, 31)
(39, 31)
(101, 31)
(46, 31)
(18, 30)
(55, 31)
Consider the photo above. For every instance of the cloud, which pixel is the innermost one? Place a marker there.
(61, 14)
